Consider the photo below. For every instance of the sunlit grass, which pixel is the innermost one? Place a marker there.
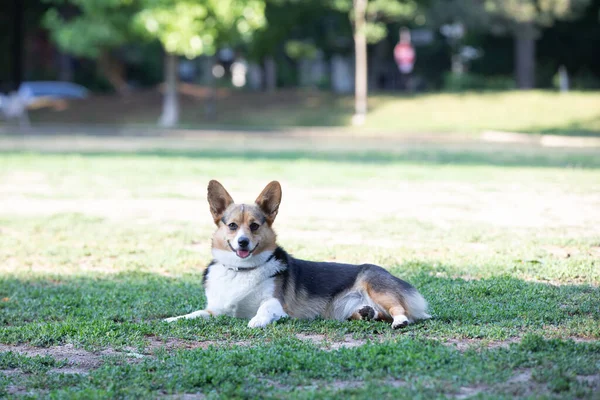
(97, 247)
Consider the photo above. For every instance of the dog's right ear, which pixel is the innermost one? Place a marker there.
(218, 199)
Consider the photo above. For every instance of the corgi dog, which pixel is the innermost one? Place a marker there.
(251, 277)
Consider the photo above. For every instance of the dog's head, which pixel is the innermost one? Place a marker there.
(244, 231)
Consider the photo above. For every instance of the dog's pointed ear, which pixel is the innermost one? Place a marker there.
(269, 199)
(218, 199)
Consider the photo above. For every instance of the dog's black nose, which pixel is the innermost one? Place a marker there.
(243, 242)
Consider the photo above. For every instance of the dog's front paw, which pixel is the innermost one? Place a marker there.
(194, 315)
(259, 322)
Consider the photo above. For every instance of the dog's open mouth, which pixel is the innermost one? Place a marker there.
(243, 253)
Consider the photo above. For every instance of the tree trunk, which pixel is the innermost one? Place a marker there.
(525, 55)
(17, 44)
(65, 67)
(360, 74)
(270, 74)
(114, 71)
(170, 112)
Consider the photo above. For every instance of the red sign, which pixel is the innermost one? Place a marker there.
(404, 54)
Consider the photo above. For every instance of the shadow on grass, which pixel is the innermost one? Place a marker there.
(419, 155)
(574, 128)
(123, 309)
(260, 110)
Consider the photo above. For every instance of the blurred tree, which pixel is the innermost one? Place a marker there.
(192, 28)
(369, 18)
(298, 29)
(520, 18)
(92, 29)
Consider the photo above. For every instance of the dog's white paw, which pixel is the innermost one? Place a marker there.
(195, 314)
(259, 322)
(400, 321)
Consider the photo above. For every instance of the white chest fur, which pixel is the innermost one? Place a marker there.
(233, 291)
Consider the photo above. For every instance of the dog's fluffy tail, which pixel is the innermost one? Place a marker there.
(416, 306)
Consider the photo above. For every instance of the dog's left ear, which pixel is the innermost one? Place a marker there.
(269, 199)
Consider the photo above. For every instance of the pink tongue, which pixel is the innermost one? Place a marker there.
(243, 253)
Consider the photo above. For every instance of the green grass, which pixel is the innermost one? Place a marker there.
(96, 247)
(405, 368)
(572, 114)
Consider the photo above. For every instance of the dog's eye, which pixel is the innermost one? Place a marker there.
(233, 226)
(254, 226)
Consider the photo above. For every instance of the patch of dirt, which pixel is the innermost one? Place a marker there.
(464, 344)
(79, 361)
(341, 385)
(329, 345)
(519, 384)
(521, 377)
(82, 361)
(16, 390)
(185, 396)
(522, 385)
(155, 343)
(592, 381)
(467, 343)
(336, 385)
(70, 371)
(469, 391)
(561, 252)
(583, 340)
(553, 332)
(9, 372)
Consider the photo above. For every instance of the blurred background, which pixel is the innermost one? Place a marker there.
(412, 66)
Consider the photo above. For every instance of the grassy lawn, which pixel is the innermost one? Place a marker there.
(575, 113)
(98, 245)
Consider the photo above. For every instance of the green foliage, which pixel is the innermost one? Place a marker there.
(500, 16)
(96, 25)
(382, 12)
(294, 26)
(379, 13)
(196, 27)
(543, 12)
(188, 27)
(296, 49)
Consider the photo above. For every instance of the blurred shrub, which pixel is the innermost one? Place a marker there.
(468, 81)
(296, 49)
(585, 79)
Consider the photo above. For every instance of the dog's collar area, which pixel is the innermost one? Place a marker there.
(245, 269)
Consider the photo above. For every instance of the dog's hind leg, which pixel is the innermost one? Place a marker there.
(392, 307)
(195, 314)
(400, 320)
(393, 299)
